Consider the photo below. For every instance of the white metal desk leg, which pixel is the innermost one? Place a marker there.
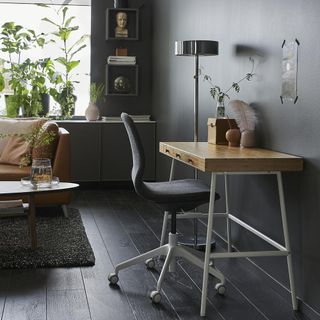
(287, 241)
(208, 246)
(165, 218)
(226, 194)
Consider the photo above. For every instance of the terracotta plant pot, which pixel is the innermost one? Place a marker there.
(233, 137)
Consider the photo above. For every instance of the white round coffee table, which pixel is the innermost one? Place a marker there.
(15, 188)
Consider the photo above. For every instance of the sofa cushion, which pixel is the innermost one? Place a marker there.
(15, 126)
(11, 172)
(15, 149)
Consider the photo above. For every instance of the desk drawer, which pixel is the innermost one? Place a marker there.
(187, 158)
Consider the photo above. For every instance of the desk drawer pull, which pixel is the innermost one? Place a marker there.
(178, 156)
(190, 161)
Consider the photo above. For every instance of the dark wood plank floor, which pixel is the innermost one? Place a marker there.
(119, 226)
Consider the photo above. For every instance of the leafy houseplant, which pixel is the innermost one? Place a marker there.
(92, 112)
(63, 93)
(96, 91)
(27, 78)
(219, 95)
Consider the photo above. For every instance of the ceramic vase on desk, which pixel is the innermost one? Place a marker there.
(92, 113)
(233, 137)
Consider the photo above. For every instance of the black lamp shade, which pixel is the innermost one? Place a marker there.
(196, 47)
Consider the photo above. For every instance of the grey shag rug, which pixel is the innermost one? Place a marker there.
(62, 242)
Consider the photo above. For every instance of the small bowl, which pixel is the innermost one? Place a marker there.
(55, 181)
(25, 181)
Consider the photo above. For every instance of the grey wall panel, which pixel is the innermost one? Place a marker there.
(256, 28)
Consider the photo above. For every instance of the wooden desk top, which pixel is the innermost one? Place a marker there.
(220, 158)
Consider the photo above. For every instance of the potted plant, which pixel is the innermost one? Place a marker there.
(219, 95)
(92, 112)
(64, 91)
(27, 79)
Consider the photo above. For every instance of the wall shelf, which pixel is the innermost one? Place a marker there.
(128, 73)
(132, 24)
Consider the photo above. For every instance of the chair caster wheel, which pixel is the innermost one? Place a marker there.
(113, 278)
(221, 288)
(150, 263)
(155, 296)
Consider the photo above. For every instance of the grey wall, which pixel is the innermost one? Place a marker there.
(258, 27)
(101, 49)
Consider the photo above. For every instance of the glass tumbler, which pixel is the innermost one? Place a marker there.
(41, 173)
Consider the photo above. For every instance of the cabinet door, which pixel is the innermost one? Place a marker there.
(85, 150)
(116, 157)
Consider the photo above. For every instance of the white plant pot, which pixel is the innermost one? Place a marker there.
(92, 113)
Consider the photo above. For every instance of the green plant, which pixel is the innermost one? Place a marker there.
(218, 94)
(38, 137)
(2, 83)
(64, 91)
(96, 91)
(27, 78)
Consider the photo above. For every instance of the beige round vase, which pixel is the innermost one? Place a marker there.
(233, 137)
(92, 112)
(247, 139)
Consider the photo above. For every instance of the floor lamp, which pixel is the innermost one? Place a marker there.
(196, 48)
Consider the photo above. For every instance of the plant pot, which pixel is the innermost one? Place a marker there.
(92, 113)
(45, 101)
(12, 105)
(120, 3)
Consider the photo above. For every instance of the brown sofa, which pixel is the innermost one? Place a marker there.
(60, 169)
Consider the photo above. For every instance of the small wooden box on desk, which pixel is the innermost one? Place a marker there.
(217, 128)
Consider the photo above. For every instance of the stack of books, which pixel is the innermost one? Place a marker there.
(12, 208)
(122, 60)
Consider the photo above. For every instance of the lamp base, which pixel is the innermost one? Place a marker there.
(199, 245)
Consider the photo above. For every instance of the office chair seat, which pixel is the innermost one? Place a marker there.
(185, 194)
(171, 196)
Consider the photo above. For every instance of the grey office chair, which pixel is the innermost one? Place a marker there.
(170, 196)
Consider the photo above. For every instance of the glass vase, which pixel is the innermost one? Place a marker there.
(41, 173)
(220, 112)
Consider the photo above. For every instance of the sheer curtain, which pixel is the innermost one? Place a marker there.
(21, 11)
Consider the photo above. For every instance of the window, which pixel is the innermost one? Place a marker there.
(30, 15)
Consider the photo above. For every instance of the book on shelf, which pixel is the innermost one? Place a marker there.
(122, 60)
(12, 208)
(135, 117)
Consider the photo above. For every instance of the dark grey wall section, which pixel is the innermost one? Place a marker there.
(101, 49)
(256, 28)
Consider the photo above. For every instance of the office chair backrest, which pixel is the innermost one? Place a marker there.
(138, 158)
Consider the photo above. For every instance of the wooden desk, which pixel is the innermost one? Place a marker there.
(218, 159)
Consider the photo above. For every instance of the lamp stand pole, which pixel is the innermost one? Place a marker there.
(196, 48)
(196, 133)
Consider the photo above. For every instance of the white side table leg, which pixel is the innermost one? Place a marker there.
(287, 241)
(208, 246)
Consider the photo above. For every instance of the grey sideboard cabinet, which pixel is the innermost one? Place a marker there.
(100, 150)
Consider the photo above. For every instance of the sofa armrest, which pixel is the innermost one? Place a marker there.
(61, 163)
